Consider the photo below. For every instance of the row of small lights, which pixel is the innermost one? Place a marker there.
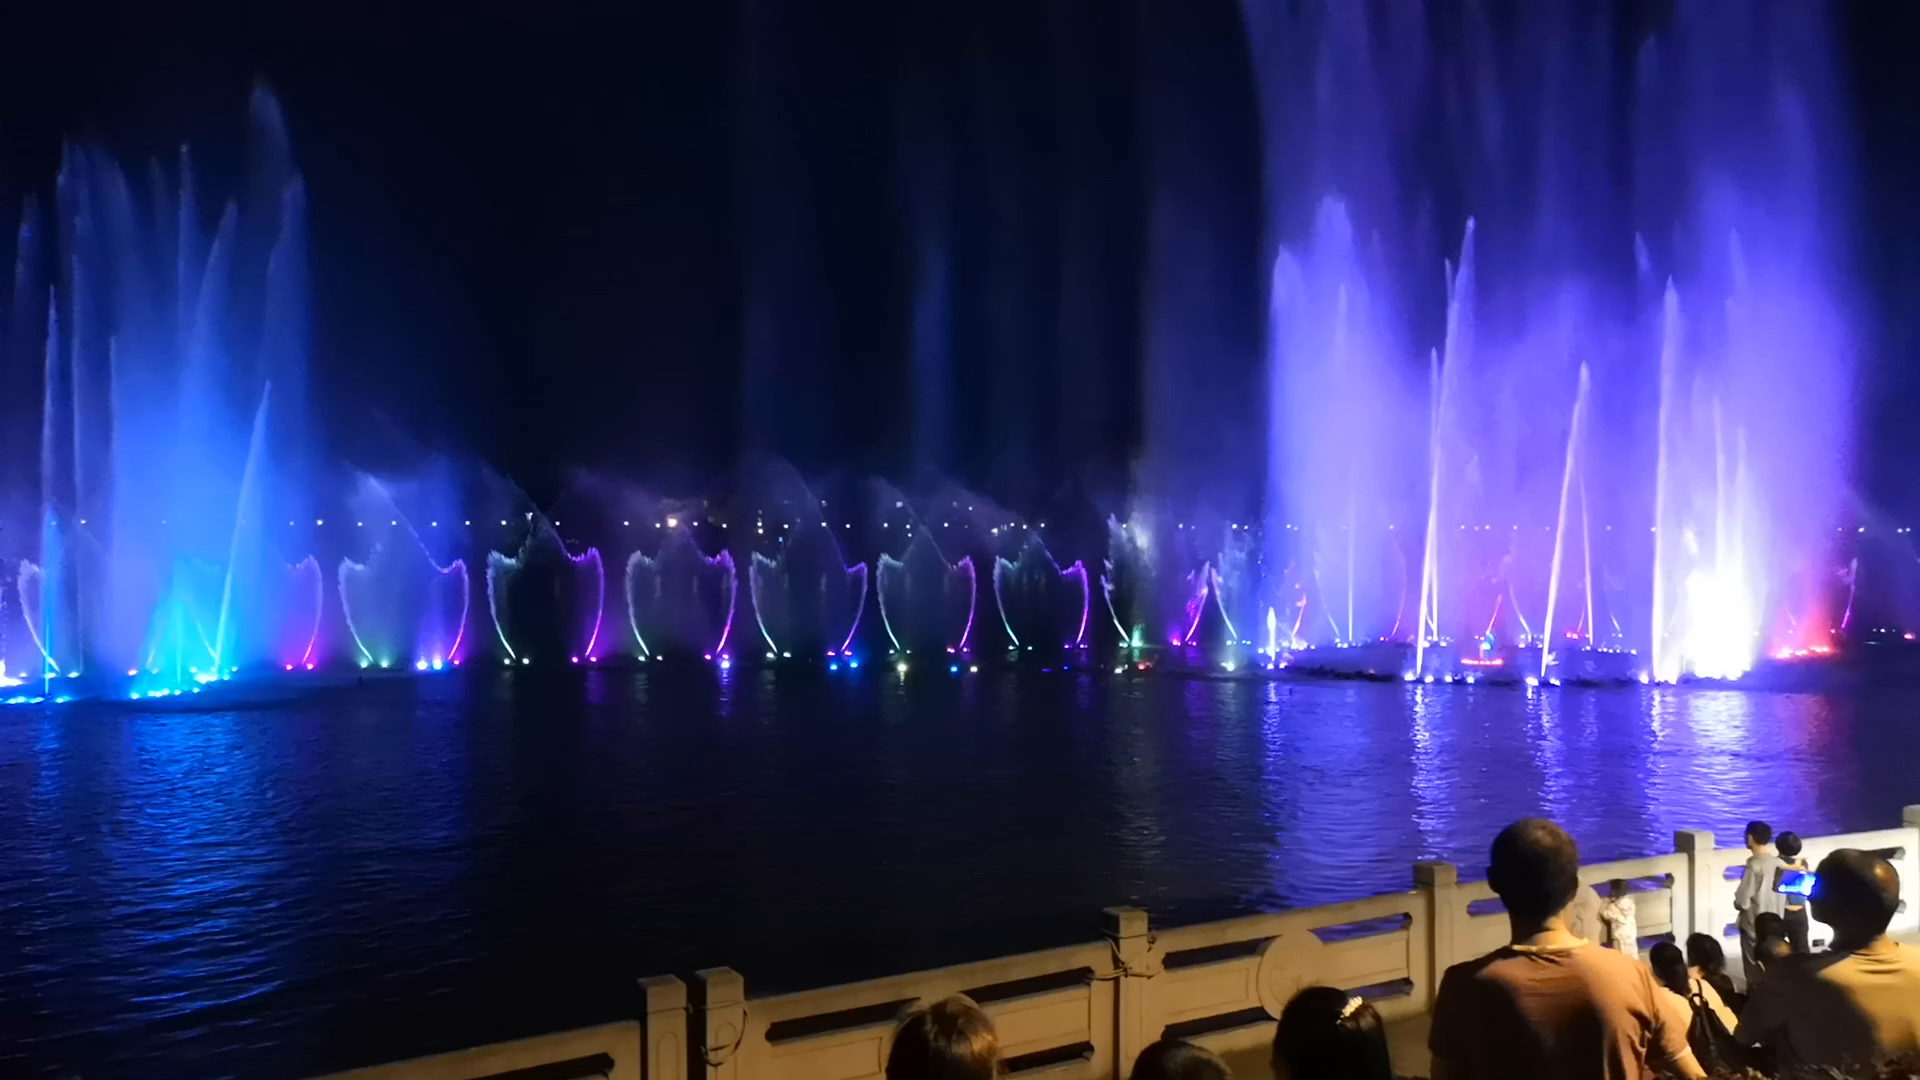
(760, 528)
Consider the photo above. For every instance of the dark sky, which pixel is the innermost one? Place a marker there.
(541, 231)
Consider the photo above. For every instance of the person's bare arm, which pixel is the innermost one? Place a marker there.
(1686, 1067)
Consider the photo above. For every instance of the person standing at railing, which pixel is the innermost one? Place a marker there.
(1794, 910)
(1550, 1004)
(1858, 1003)
(1755, 893)
(1621, 920)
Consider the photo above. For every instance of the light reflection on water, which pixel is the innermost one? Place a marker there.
(406, 867)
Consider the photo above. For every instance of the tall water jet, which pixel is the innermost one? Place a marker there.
(162, 454)
(1428, 629)
(1567, 482)
(1666, 661)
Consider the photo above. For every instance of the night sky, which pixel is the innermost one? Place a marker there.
(655, 237)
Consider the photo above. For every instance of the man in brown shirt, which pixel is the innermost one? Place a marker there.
(1551, 1004)
(1858, 1003)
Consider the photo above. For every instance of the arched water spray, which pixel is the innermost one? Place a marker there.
(665, 607)
(504, 570)
(309, 568)
(1030, 579)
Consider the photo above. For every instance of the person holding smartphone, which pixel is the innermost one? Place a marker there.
(1794, 914)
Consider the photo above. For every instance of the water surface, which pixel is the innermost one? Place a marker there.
(379, 871)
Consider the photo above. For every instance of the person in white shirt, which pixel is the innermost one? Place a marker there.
(1756, 894)
(1622, 922)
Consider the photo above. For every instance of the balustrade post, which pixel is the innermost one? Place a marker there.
(1136, 962)
(1700, 888)
(1440, 882)
(663, 1029)
(721, 998)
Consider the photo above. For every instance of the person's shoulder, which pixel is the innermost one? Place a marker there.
(1796, 969)
(1474, 969)
(1613, 965)
(1612, 960)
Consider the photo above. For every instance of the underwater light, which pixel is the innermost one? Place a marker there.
(420, 664)
(1532, 681)
(900, 667)
(953, 669)
(833, 665)
(726, 664)
(855, 664)
(526, 660)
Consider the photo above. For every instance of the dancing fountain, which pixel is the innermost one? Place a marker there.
(545, 593)
(172, 389)
(1040, 603)
(1594, 497)
(927, 604)
(680, 599)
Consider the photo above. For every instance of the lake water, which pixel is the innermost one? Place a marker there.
(376, 871)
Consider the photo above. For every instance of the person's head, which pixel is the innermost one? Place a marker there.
(1534, 868)
(951, 1039)
(1759, 835)
(1857, 893)
(1325, 1034)
(1769, 924)
(1177, 1059)
(1706, 954)
(1618, 888)
(1769, 950)
(1669, 966)
(1788, 845)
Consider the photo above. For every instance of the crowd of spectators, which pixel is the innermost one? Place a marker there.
(1569, 996)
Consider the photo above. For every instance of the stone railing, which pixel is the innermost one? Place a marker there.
(1083, 1012)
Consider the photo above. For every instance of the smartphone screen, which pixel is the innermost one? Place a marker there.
(1794, 882)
